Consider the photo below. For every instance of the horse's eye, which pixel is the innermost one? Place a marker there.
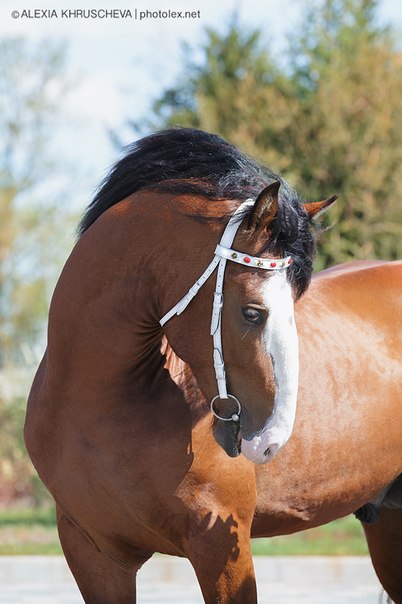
(253, 315)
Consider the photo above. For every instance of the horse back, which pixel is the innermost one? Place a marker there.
(370, 288)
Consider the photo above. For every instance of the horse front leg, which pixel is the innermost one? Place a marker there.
(219, 551)
(100, 578)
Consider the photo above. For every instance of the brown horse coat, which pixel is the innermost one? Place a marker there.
(118, 422)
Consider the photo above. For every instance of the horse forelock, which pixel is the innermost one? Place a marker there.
(293, 234)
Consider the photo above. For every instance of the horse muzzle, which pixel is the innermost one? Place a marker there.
(261, 448)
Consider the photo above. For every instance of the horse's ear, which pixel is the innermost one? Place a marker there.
(265, 208)
(318, 207)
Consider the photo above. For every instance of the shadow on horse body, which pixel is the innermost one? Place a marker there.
(119, 424)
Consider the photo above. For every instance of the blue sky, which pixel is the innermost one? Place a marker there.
(121, 64)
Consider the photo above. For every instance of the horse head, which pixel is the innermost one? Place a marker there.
(228, 309)
(254, 346)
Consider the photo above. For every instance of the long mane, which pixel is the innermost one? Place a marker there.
(191, 161)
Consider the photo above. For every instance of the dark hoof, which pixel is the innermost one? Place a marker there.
(368, 513)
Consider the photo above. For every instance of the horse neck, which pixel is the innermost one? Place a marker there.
(104, 319)
(103, 329)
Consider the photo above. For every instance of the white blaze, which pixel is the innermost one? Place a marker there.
(281, 343)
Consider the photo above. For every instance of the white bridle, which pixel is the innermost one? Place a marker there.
(223, 253)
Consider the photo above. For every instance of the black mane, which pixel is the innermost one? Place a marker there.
(185, 160)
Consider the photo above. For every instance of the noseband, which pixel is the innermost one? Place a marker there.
(223, 253)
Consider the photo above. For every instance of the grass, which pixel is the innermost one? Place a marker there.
(343, 537)
(25, 532)
(33, 532)
(28, 516)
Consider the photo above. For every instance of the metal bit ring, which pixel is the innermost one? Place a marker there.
(234, 417)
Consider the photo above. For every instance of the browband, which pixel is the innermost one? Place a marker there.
(269, 264)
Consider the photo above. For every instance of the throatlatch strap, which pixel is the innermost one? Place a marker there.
(192, 292)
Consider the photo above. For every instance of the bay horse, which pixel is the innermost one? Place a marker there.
(151, 423)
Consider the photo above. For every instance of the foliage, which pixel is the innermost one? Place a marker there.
(329, 121)
(34, 234)
(32, 85)
(15, 473)
(18, 479)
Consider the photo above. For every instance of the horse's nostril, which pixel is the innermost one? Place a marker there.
(271, 450)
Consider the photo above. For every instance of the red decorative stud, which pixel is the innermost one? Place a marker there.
(273, 264)
(290, 261)
(246, 259)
